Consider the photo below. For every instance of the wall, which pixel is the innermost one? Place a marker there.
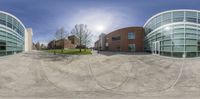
(124, 41)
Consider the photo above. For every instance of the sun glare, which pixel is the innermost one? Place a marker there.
(100, 28)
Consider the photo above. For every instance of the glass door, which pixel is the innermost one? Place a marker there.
(156, 48)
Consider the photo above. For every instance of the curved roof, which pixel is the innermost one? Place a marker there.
(13, 17)
(122, 29)
(167, 12)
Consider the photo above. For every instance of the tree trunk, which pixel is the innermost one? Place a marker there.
(80, 45)
(63, 45)
(85, 47)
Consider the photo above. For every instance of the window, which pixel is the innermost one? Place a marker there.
(178, 16)
(178, 42)
(190, 42)
(178, 48)
(131, 35)
(2, 45)
(191, 48)
(167, 48)
(116, 38)
(3, 22)
(166, 18)
(131, 47)
(9, 25)
(180, 35)
(191, 17)
(167, 42)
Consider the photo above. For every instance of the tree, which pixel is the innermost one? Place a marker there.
(82, 33)
(87, 38)
(61, 35)
(38, 45)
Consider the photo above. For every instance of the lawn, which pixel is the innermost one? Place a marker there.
(71, 51)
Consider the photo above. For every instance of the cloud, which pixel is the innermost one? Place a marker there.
(93, 17)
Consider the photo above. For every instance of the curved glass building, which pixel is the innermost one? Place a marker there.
(173, 33)
(12, 34)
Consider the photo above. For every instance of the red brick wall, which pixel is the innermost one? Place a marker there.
(69, 45)
(124, 41)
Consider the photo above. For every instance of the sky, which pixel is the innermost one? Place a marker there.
(45, 17)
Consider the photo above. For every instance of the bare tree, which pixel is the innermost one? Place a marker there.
(61, 34)
(82, 33)
(87, 38)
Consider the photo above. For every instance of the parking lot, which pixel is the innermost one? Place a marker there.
(105, 75)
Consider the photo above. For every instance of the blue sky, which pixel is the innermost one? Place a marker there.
(46, 16)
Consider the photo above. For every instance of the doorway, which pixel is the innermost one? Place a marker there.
(156, 48)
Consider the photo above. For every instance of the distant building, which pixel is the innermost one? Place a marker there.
(73, 39)
(33, 46)
(102, 41)
(96, 45)
(68, 43)
(37, 45)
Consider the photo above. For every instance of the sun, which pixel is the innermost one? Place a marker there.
(100, 28)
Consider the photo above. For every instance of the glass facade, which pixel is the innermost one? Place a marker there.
(11, 34)
(177, 31)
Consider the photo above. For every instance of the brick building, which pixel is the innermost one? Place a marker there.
(96, 45)
(125, 39)
(70, 42)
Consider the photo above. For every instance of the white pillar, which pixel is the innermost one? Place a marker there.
(28, 39)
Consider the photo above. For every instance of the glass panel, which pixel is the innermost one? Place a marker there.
(167, 48)
(167, 42)
(191, 16)
(178, 16)
(2, 16)
(179, 26)
(187, 26)
(158, 21)
(191, 42)
(2, 45)
(180, 35)
(194, 36)
(191, 48)
(178, 42)
(177, 54)
(189, 30)
(166, 18)
(166, 15)
(3, 22)
(194, 20)
(191, 54)
(198, 17)
(179, 30)
(178, 48)
(166, 53)
(2, 33)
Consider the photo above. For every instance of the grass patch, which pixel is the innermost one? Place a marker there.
(71, 51)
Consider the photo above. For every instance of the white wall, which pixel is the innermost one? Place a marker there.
(28, 39)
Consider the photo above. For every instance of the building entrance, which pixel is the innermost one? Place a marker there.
(2, 45)
(156, 48)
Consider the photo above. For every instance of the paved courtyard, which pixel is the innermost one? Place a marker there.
(36, 75)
